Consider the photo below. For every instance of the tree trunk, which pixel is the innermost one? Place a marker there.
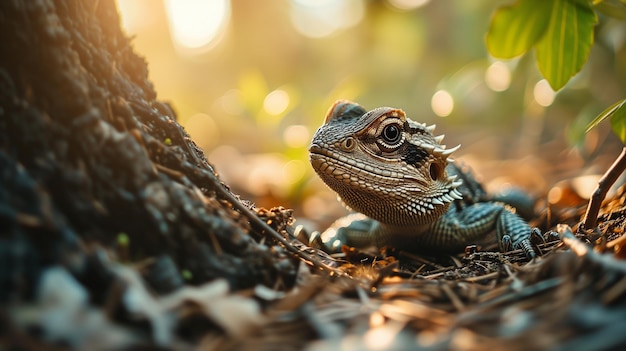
(92, 163)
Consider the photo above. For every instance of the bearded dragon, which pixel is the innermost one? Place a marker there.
(408, 192)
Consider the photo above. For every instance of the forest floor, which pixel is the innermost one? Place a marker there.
(573, 296)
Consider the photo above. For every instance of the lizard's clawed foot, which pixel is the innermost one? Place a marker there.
(354, 230)
(527, 247)
(527, 244)
(313, 239)
(506, 244)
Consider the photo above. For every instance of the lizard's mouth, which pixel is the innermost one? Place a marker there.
(345, 168)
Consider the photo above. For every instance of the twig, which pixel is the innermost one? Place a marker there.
(255, 220)
(617, 243)
(582, 250)
(437, 272)
(608, 179)
(482, 277)
(420, 259)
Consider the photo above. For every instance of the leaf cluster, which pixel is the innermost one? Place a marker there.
(562, 33)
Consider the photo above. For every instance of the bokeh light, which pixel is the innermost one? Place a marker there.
(276, 102)
(543, 93)
(442, 103)
(377, 320)
(381, 338)
(197, 24)
(408, 4)
(498, 76)
(320, 18)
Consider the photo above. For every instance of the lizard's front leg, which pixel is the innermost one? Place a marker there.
(354, 230)
(459, 227)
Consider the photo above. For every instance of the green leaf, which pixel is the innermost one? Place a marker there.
(563, 50)
(514, 29)
(618, 123)
(613, 8)
(616, 107)
(617, 113)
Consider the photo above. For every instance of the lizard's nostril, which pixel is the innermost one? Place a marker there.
(348, 144)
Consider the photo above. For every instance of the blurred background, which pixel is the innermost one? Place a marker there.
(251, 81)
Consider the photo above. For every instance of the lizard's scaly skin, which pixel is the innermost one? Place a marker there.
(399, 176)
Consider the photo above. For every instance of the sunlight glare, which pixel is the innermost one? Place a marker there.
(320, 18)
(498, 76)
(133, 15)
(408, 4)
(276, 102)
(197, 24)
(543, 93)
(442, 103)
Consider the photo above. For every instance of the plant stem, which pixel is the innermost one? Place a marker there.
(608, 179)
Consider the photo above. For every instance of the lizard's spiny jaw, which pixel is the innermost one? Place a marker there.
(383, 164)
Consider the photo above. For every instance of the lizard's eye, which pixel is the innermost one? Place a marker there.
(391, 134)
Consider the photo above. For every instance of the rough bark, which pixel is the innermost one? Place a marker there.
(92, 162)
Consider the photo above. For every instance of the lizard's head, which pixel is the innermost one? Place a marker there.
(383, 164)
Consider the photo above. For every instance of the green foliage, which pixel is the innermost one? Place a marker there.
(560, 31)
(618, 123)
(617, 113)
(564, 48)
(516, 28)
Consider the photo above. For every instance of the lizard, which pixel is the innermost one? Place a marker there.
(405, 188)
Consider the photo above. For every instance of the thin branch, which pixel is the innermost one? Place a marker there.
(225, 194)
(605, 183)
(255, 220)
